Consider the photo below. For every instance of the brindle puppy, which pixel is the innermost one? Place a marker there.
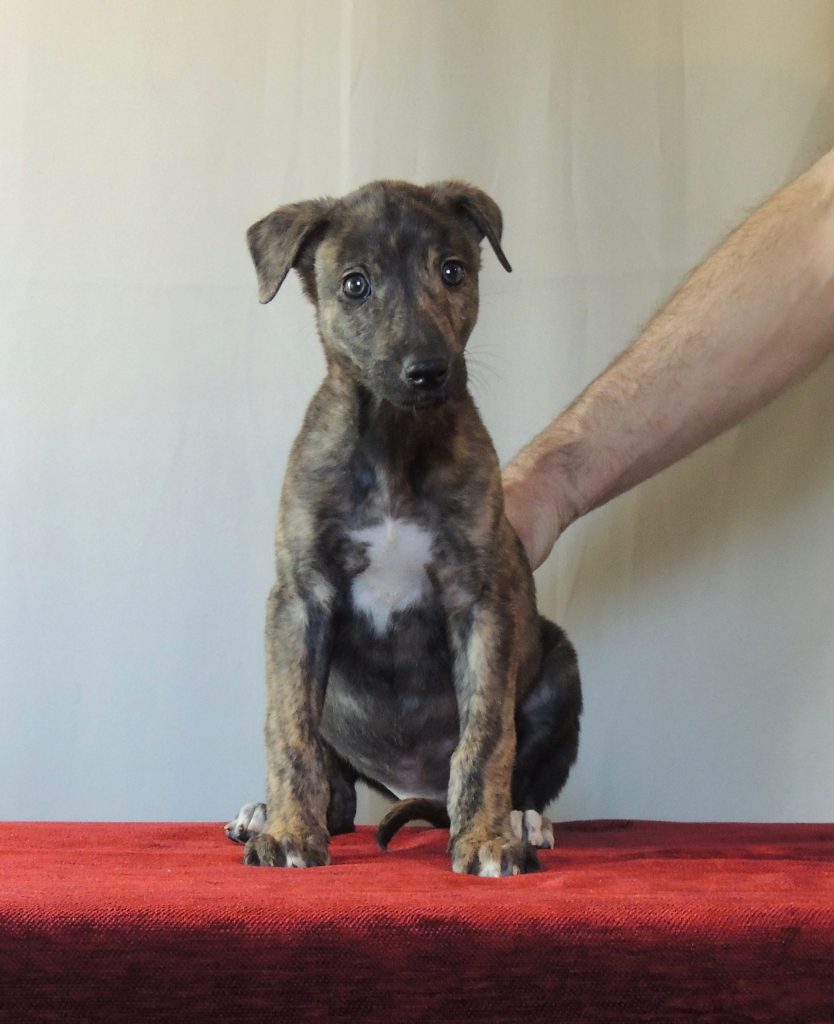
(403, 643)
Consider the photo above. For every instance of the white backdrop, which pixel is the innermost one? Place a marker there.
(147, 402)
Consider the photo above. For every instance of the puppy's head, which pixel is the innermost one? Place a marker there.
(393, 272)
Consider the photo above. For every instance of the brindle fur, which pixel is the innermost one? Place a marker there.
(469, 688)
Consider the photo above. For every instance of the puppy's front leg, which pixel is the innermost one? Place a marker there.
(482, 841)
(297, 652)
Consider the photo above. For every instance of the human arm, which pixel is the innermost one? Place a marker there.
(754, 318)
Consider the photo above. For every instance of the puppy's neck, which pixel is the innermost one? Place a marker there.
(402, 443)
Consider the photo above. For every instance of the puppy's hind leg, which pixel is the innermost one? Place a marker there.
(341, 811)
(547, 730)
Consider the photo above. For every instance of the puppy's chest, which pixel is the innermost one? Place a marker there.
(397, 553)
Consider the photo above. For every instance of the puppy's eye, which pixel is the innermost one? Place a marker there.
(356, 285)
(453, 272)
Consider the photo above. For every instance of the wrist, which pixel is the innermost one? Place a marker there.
(540, 497)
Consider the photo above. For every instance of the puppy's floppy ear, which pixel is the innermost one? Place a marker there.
(477, 208)
(277, 243)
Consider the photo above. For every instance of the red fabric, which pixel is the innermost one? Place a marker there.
(629, 921)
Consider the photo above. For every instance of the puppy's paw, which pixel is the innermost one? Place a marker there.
(533, 828)
(493, 856)
(250, 821)
(279, 849)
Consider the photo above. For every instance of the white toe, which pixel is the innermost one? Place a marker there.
(257, 820)
(533, 828)
(533, 824)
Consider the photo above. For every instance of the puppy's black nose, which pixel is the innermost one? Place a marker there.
(426, 374)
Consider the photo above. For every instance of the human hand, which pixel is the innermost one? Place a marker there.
(532, 511)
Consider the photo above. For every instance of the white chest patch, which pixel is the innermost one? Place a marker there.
(399, 551)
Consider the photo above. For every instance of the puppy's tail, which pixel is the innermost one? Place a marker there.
(432, 811)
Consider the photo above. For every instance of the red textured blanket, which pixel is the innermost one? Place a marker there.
(629, 921)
